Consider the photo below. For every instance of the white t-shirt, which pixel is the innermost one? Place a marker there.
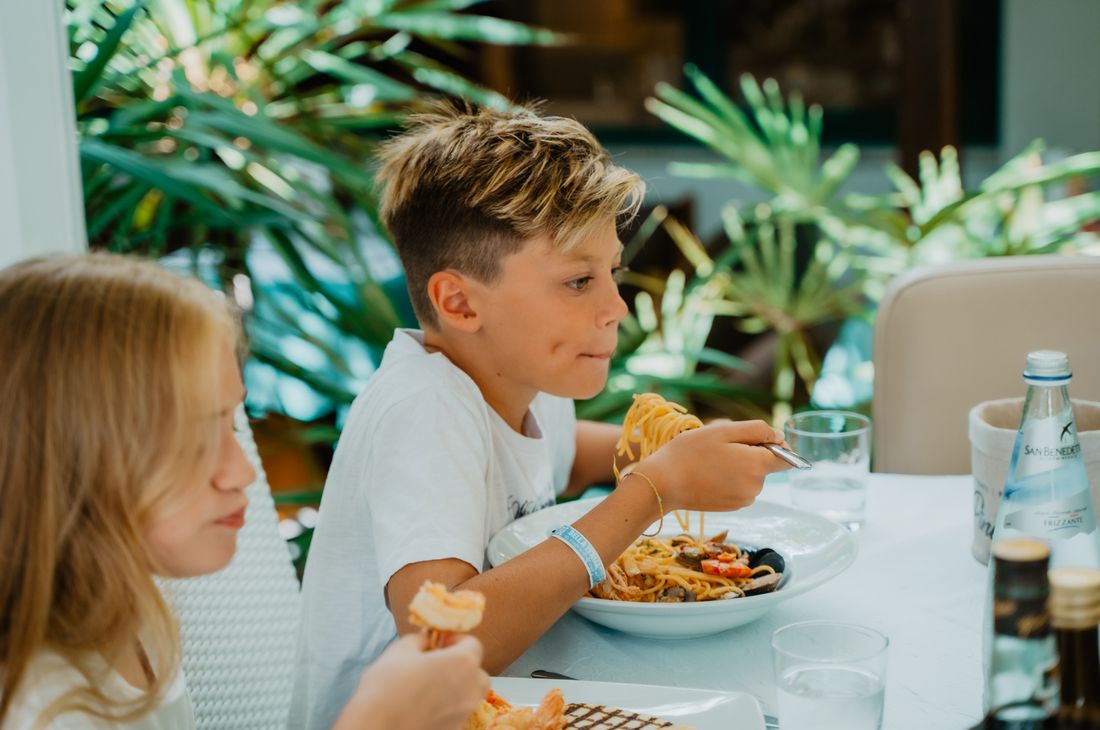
(49, 676)
(425, 470)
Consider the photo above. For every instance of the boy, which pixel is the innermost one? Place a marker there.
(505, 224)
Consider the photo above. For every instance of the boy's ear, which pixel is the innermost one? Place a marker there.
(449, 293)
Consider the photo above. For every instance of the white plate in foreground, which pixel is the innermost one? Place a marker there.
(698, 708)
(816, 550)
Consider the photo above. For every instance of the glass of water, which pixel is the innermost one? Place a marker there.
(839, 445)
(830, 676)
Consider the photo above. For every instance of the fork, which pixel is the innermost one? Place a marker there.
(770, 721)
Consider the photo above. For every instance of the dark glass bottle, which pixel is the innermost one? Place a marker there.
(1074, 614)
(1022, 683)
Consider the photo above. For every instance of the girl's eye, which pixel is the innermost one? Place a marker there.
(618, 273)
(579, 284)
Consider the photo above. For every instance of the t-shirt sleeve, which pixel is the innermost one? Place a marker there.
(426, 482)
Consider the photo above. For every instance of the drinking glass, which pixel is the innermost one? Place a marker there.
(839, 445)
(829, 676)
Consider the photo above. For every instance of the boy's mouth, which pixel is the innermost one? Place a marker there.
(598, 355)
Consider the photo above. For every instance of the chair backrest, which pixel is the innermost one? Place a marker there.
(240, 625)
(949, 337)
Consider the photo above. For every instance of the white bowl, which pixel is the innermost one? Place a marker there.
(816, 549)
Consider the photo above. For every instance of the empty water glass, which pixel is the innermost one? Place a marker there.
(839, 445)
(829, 676)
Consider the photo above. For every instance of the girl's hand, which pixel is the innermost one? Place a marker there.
(718, 467)
(409, 687)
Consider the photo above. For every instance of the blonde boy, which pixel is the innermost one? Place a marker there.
(506, 226)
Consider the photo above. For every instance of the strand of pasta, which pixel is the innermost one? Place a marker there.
(651, 422)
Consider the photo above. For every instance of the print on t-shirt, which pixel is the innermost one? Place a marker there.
(520, 508)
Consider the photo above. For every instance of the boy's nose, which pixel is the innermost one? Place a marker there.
(616, 311)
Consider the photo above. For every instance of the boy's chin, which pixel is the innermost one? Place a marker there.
(579, 391)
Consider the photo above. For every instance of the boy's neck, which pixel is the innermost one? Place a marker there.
(509, 399)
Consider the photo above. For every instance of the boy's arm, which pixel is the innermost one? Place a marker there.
(594, 455)
(526, 595)
(717, 467)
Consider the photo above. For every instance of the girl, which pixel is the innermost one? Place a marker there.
(118, 462)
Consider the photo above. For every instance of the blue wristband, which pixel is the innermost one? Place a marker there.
(579, 544)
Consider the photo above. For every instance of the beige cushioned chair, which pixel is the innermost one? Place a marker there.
(949, 337)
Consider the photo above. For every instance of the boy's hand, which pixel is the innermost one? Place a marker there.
(718, 467)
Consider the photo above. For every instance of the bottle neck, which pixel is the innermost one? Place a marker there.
(1047, 399)
(1022, 684)
(1080, 669)
(1023, 681)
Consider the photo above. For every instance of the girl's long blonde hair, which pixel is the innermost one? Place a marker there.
(107, 386)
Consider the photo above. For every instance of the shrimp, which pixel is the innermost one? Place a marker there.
(440, 612)
(549, 715)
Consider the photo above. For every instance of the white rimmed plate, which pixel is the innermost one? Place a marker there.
(698, 708)
(816, 550)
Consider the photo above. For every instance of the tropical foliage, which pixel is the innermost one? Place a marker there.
(241, 131)
(852, 243)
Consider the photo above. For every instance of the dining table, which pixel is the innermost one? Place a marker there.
(913, 579)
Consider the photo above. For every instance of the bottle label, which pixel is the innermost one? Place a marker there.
(1048, 443)
(1058, 520)
(1026, 618)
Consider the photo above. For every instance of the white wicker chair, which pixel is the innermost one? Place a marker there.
(240, 625)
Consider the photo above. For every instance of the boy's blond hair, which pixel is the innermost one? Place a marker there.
(464, 188)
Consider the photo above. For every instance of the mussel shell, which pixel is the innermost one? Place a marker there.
(771, 583)
(769, 557)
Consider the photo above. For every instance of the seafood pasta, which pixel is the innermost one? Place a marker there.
(686, 567)
(683, 569)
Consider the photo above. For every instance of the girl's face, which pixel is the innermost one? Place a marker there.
(195, 532)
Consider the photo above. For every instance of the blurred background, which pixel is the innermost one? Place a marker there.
(798, 155)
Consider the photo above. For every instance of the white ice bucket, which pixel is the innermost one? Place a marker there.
(993, 426)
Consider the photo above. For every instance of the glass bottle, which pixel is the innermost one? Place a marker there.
(1074, 614)
(1046, 493)
(1021, 685)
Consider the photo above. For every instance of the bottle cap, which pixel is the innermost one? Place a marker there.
(1074, 598)
(1047, 364)
(1021, 550)
(1020, 568)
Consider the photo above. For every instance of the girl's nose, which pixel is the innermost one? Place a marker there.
(234, 470)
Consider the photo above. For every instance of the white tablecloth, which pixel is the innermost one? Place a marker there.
(914, 580)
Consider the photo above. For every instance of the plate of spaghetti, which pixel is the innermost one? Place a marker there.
(814, 550)
(705, 572)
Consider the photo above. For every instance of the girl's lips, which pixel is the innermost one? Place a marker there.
(235, 520)
(598, 356)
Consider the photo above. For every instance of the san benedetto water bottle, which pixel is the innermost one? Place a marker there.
(1046, 494)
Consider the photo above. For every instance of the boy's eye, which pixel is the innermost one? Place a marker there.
(618, 273)
(579, 284)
